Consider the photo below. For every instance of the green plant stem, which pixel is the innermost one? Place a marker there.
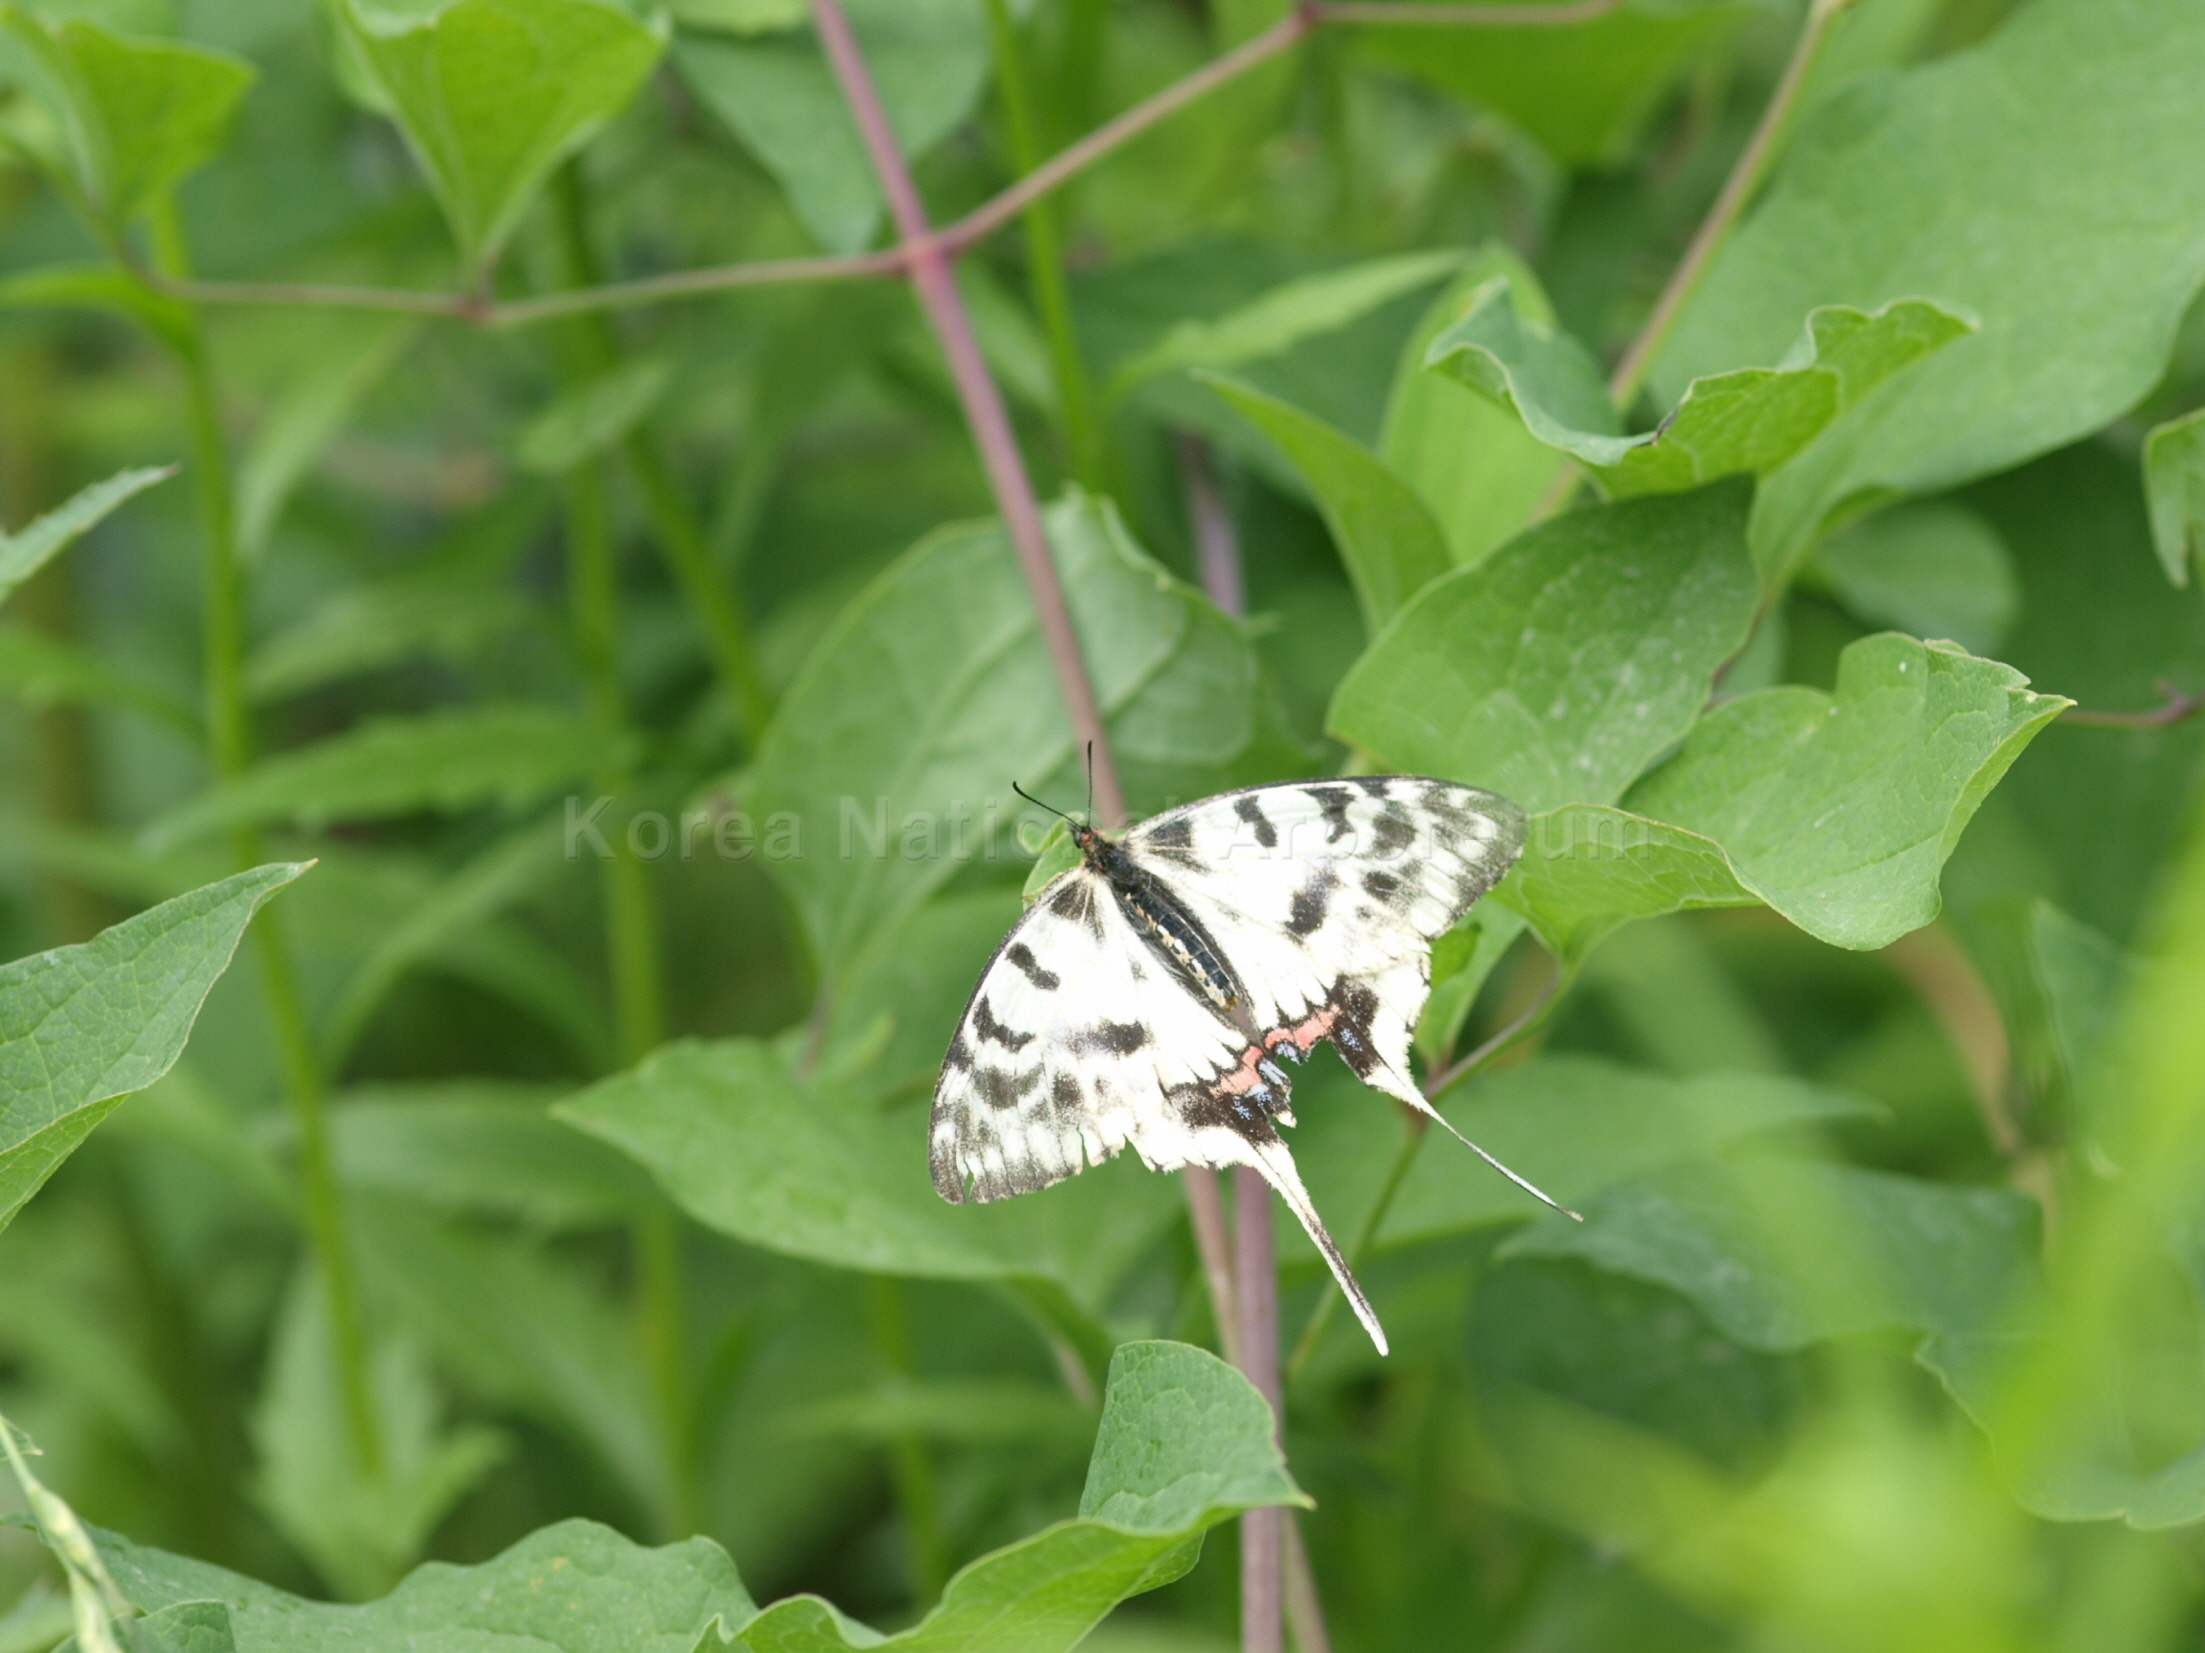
(743, 506)
(673, 524)
(1044, 258)
(631, 923)
(229, 745)
(661, 1307)
(682, 539)
(631, 915)
(911, 1468)
(1738, 189)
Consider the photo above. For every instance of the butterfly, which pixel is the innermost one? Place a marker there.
(1149, 994)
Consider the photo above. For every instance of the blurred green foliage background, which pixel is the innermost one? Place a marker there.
(502, 1183)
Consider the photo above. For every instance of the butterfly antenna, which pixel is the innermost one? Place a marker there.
(1038, 804)
(1090, 780)
(1531, 1188)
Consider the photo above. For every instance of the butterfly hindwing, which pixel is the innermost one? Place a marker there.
(1326, 896)
(1315, 902)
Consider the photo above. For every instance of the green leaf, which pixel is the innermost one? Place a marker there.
(2095, 812)
(1391, 546)
(1030, 1414)
(45, 671)
(515, 1328)
(1582, 93)
(358, 1529)
(83, 1027)
(1477, 468)
(459, 910)
(307, 416)
(188, 1627)
(458, 597)
(740, 16)
(928, 59)
(1780, 1253)
(2081, 973)
(1058, 854)
(363, 628)
(808, 1167)
(1181, 1442)
(1185, 1442)
(902, 1001)
(448, 761)
(893, 753)
(103, 287)
(574, 1587)
(1278, 320)
(1462, 959)
(39, 1620)
(2081, 976)
(1572, 1124)
(126, 118)
(1746, 422)
(1929, 567)
(1561, 666)
(1840, 810)
(2054, 163)
(492, 94)
(2174, 482)
(478, 1147)
(1586, 869)
(1530, 364)
(24, 554)
(591, 417)
(1633, 1352)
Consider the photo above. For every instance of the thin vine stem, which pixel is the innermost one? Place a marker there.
(1521, 1026)
(1081, 436)
(936, 288)
(904, 258)
(1746, 175)
(2176, 706)
(1738, 189)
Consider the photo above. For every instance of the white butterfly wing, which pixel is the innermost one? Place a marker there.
(1321, 897)
(1069, 1049)
(1080, 1039)
(1325, 896)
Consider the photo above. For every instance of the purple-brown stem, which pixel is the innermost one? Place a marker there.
(1275, 1580)
(1218, 556)
(983, 220)
(2175, 706)
(1214, 1245)
(1216, 548)
(935, 284)
(1256, 1302)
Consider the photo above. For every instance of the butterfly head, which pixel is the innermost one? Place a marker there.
(1091, 844)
